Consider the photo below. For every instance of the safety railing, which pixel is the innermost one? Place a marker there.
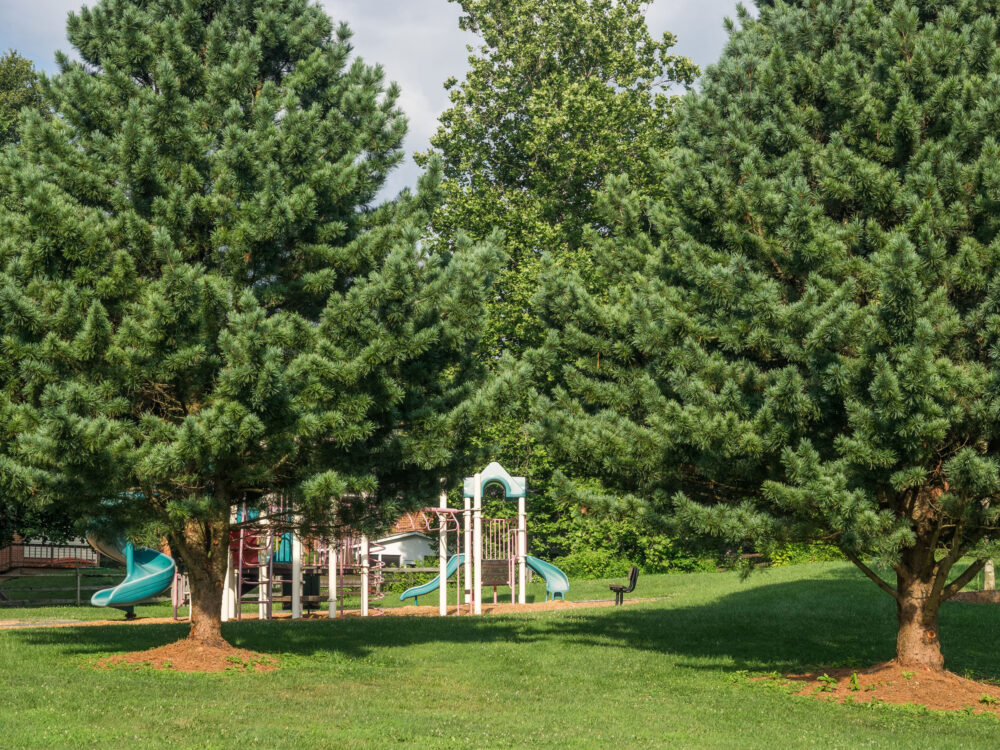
(41, 555)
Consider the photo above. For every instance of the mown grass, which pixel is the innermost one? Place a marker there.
(670, 673)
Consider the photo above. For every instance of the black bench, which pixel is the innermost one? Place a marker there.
(620, 591)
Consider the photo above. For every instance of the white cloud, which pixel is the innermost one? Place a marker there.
(418, 43)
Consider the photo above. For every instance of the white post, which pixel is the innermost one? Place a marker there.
(229, 590)
(296, 576)
(522, 548)
(443, 557)
(263, 573)
(989, 577)
(467, 540)
(331, 559)
(477, 546)
(365, 567)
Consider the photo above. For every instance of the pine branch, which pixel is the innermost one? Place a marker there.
(871, 574)
(962, 581)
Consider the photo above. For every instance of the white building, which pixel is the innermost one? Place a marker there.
(407, 543)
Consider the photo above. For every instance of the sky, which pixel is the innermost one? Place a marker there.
(418, 43)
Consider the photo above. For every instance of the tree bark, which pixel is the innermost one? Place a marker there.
(917, 641)
(204, 548)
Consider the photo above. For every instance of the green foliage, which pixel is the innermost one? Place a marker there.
(557, 97)
(200, 304)
(18, 90)
(797, 553)
(827, 683)
(801, 342)
(593, 563)
(596, 546)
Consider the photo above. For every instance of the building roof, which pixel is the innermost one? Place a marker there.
(417, 521)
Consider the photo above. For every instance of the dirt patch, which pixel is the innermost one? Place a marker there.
(977, 597)
(890, 683)
(191, 656)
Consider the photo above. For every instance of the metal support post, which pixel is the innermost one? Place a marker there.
(331, 559)
(443, 556)
(365, 569)
(522, 549)
(477, 546)
(296, 576)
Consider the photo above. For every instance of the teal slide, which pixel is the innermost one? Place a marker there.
(147, 573)
(556, 582)
(430, 586)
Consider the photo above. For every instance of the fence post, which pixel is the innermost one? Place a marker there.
(78, 585)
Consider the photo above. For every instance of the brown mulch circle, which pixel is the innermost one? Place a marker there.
(977, 597)
(191, 656)
(890, 683)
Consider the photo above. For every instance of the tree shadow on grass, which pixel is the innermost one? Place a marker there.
(351, 637)
(789, 626)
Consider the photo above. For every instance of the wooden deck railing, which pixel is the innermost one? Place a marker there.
(31, 555)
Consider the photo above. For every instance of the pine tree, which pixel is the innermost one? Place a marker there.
(557, 97)
(19, 89)
(200, 304)
(802, 342)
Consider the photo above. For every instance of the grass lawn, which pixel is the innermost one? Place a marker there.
(670, 673)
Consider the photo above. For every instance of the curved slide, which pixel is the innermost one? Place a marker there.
(432, 585)
(556, 582)
(147, 573)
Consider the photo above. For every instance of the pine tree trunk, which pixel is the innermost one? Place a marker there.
(204, 548)
(206, 612)
(917, 642)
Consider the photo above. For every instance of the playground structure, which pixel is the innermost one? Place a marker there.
(273, 563)
(495, 550)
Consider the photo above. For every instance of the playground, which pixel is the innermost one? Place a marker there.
(274, 565)
(690, 660)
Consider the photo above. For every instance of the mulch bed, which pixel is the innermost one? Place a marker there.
(191, 656)
(890, 683)
(500, 608)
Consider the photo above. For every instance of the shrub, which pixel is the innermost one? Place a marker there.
(796, 553)
(593, 563)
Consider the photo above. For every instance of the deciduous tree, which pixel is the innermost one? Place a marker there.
(558, 96)
(18, 89)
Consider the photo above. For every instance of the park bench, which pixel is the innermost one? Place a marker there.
(620, 591)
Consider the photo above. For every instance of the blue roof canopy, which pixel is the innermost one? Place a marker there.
(495, 473)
